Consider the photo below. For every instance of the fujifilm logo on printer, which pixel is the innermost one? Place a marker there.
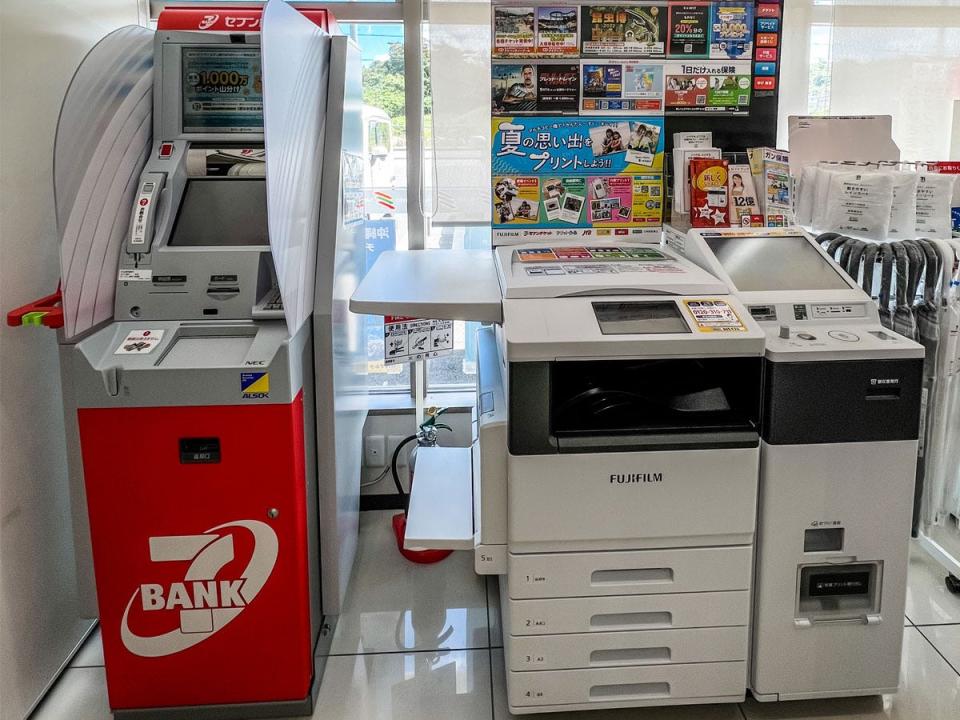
(631, 478)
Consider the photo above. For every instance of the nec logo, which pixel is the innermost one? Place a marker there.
(884, 381)
(634, 478)
(202, 604)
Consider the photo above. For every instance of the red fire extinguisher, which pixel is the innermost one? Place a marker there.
(426, 436)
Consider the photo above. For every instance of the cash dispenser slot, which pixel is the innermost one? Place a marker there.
(202, 346)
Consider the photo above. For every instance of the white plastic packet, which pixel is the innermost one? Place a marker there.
(903, 213)
(805, 195)
(859, 204)
(821, 191)
(934, 200)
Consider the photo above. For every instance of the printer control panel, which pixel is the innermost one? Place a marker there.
(803, 312)
(790, 337)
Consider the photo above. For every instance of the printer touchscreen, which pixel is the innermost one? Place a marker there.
(224, 212)
(774, 263)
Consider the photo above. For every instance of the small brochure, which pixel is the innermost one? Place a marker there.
(625, 86)
(513, 31)
(709, 194)
(689, 30)
(557, 31)
(731, 31)
(744, 206)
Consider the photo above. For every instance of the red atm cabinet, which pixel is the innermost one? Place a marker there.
(199, 527)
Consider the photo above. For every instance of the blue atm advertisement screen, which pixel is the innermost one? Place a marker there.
(222, 90)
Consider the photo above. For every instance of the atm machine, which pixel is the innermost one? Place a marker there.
(615, 477)
(841, 414)
(218, 438)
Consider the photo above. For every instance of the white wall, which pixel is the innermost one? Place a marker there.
(41, 43)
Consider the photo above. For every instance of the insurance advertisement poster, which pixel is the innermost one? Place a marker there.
(625, 86)
(622, 201)
(222, 91)
(557, 31)
(707, 87)
(577, 145)
(624, 30)
(731, 30)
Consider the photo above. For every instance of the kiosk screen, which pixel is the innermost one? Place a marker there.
(775, 263)
(222, 90)
(222, 212)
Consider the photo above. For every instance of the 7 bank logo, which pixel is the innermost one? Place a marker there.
(205, 604)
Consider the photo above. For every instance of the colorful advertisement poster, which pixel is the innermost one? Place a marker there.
(516, 200)
(513, 31)
(625, 86)
(564, 200)
(557, 34)
(624, 200)
(513, 88)
(576, 145)
(689, 30)
(558, 87)
(630, 30)
(707, 87)
(731, 30)
(613, 201)
(534, 87)
(729, 92)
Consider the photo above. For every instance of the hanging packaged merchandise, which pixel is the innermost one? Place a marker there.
(859, 205)
(934, 201)
(886, 279)
(806, 192)
(903, 213)
(903, 320)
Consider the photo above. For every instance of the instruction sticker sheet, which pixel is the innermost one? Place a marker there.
(408, 339)
(139, 342)
(713, 316)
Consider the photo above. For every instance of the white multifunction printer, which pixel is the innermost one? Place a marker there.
(841, 409)
(615, 477)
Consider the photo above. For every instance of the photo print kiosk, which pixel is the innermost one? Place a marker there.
(218, 415)
(613, 484)
(841, 414)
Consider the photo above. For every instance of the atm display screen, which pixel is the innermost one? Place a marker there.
(222, 89)
(222, 212)
(775, 263)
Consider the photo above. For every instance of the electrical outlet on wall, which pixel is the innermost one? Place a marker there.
(374, 453)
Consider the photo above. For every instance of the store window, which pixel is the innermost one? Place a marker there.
(385, 174)
(889, 57)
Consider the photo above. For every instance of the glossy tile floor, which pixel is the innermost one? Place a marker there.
(424, 643)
